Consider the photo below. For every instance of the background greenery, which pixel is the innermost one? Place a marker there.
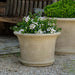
(61, 9)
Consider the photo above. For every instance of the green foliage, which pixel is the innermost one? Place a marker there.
(62, 9)
(37, 25)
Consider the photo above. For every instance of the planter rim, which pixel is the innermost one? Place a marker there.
(37, 34)
(67, 19)
(64, 19)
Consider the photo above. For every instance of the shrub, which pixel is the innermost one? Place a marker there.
(62, 9)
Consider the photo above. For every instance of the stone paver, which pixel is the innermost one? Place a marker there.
(9, 45)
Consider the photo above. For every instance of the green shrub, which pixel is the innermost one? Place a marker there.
(62, 9)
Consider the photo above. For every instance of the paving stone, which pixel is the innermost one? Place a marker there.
(9, 45)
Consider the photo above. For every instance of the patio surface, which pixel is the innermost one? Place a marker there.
(9, 64)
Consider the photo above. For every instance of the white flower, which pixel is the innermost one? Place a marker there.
(21, 30)
(53, 23)
(15, 26)
(39, 25)
(16, 31)
(39, 31)
(53, 31)
(26, 18)
(49, 23)
(41, 18)
(35, 23)
(32, 20)
(48, 29)
(42, 24)
(26, 27)
(44, 31)
(32, 26)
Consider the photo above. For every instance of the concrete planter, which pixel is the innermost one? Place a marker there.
(66, 41)
(37, 49)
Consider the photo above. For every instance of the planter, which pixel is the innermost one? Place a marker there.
(37, 49)
(66, 41)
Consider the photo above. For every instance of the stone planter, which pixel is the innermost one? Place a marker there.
(66, 41)
(37, 49)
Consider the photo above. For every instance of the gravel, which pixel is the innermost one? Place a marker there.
(9, 64)
(64, 65)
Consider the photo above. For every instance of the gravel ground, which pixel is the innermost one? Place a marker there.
(9, 64)
(64, 65)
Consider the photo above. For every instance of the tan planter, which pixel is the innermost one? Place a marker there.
(66, 41)
(37, 49)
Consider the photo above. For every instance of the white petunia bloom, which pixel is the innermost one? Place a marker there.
(53, 31)
(39, 31)
(21, 30)
(48, 29)
(32, 26)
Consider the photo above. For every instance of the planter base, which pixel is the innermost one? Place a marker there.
(47, 63)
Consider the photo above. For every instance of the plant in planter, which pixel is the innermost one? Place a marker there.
(64, 11)
(37, 39)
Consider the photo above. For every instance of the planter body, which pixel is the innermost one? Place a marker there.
(66, 41)
(37, 49)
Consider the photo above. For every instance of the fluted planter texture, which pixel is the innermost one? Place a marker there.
(37, 49)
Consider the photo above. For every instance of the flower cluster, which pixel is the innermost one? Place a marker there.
(36, 25)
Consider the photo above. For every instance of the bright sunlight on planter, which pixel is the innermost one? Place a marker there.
(37, 39)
